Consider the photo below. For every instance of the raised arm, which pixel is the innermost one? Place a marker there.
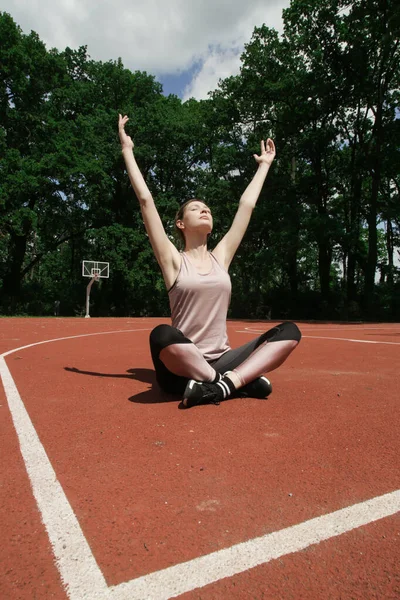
(166, 254)
(226, 249)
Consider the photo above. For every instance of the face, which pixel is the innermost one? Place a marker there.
(197, 216)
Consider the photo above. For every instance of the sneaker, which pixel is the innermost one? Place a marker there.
(198, 392)
(259, 388)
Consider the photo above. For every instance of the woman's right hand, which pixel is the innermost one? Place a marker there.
(126, 141)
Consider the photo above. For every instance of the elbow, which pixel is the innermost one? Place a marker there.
(247, 203)
(145, 199)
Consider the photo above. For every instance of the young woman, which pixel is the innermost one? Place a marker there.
(192, 357)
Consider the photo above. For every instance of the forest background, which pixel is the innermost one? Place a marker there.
(324, 238)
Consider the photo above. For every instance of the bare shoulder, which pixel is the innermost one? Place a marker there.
(220, 254)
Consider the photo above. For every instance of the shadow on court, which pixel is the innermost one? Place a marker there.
(152, 396)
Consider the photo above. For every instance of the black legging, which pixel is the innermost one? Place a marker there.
(165, 335)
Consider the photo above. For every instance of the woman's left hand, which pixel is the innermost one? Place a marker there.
(267, 152)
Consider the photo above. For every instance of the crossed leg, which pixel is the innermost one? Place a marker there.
(261, 355)
(176, 359)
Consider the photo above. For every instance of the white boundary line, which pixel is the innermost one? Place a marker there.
(316, 327)
(309, 327)
(78, 568)
(213, 567)
(79, 571)
(72, 337)
(319, 337)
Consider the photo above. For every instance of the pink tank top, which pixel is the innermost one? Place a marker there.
(199, 306)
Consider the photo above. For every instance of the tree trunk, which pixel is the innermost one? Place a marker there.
(354, 232)
(390, 250)
(372, 258)
(323, 237)
(324, 260)
(13, 276)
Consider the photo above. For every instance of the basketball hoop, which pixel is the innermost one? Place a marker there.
(90, 268)
(96, 270)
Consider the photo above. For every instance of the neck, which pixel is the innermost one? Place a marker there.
(196, 248)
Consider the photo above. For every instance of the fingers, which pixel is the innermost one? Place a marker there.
(267, 154)
(122, 120)
(267, 146)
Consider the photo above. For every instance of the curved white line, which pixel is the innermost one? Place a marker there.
(319, 337)
(71, 337)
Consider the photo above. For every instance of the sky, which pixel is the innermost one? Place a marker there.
(188, 45)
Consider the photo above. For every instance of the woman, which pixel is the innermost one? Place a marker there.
(193, 357)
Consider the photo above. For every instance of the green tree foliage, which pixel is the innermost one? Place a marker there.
(324, 238)
(352, 53)
(328, 92)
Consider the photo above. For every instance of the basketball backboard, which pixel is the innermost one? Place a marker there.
(90, 268)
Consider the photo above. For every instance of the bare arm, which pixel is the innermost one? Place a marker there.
(166, 254)
(226, 249)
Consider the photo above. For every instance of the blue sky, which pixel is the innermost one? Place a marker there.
(187, 45)
(177, 83)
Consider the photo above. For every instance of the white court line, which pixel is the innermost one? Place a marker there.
(71, 337)
(319, 337)
(316, 327)
(213, 567)
(79, 571)
(78, 568)
(309, 327)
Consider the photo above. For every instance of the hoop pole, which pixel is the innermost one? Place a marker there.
(87, 316)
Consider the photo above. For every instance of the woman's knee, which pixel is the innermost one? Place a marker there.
(290, 331)
(286, 331)
(159, 333)
(164, 335)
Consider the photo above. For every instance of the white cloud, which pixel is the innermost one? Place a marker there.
(157, 36)
(217, 65)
